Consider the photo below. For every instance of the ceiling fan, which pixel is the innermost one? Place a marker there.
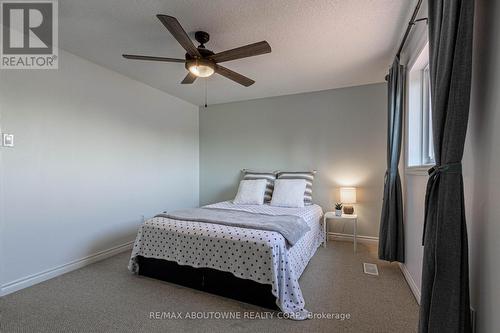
(201, 62)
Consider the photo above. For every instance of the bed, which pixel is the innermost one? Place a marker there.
(256, 257)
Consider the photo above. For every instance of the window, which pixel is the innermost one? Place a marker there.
(420, 149)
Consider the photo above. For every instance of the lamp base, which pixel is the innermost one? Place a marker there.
(348, 210)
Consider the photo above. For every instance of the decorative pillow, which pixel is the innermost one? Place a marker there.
(270, 177)
(289, 193)
(308, 176)
(251, 192)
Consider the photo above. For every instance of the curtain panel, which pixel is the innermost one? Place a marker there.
(391, 234)
(445, 272)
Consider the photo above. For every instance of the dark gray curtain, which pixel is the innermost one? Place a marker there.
(391, 236)
(445, 275)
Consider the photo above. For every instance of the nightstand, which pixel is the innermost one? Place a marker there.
(331, 215)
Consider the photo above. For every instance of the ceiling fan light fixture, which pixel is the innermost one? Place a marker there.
(201, 67)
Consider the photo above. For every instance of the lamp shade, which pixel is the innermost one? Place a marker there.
(348, 195)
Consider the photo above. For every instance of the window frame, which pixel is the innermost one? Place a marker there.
(418, 133)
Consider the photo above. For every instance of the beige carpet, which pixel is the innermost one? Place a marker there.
(105, 297)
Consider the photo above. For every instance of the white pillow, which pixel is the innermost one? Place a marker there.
(251, 192)
(288, 193)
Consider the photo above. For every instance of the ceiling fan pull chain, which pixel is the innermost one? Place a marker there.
(206, 92)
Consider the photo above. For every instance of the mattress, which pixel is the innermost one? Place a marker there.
(258, 255)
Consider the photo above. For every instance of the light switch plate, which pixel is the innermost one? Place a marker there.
(8, 140)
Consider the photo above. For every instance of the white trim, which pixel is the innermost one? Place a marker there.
(33, 279)
(348, 237)
(418, 170)
(411, 283)
(420, 45)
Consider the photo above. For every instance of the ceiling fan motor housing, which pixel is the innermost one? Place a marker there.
(205, 53)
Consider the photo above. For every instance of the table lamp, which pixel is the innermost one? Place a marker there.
(348, 196)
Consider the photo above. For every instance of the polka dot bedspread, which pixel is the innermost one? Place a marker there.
(258, 255)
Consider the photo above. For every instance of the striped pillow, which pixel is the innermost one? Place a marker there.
(269, 176)
(307, 175)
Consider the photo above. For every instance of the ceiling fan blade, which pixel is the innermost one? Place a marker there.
(233, 76)
(178, 32)
(190, 77)
(249, 50)
(141, 57)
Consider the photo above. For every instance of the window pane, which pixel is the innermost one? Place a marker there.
(420, 150)
(430, 137)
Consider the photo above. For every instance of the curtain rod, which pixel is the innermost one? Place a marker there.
(411, 23)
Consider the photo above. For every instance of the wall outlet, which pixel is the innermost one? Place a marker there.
(8, 140)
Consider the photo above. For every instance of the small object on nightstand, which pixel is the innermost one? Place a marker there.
(338, 209)
(348, 196)
(333, 215)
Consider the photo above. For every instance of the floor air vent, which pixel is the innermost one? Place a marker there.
(371, 269)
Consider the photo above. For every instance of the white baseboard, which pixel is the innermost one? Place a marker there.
(411, 283)
(348, 237)
(33, 279)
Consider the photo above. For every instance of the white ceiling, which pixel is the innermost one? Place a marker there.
(316, 44)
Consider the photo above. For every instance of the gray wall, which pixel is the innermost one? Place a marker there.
(341, 133)
(94, 151)
(482, 169)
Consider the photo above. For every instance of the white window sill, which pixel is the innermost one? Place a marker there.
(418, 170)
